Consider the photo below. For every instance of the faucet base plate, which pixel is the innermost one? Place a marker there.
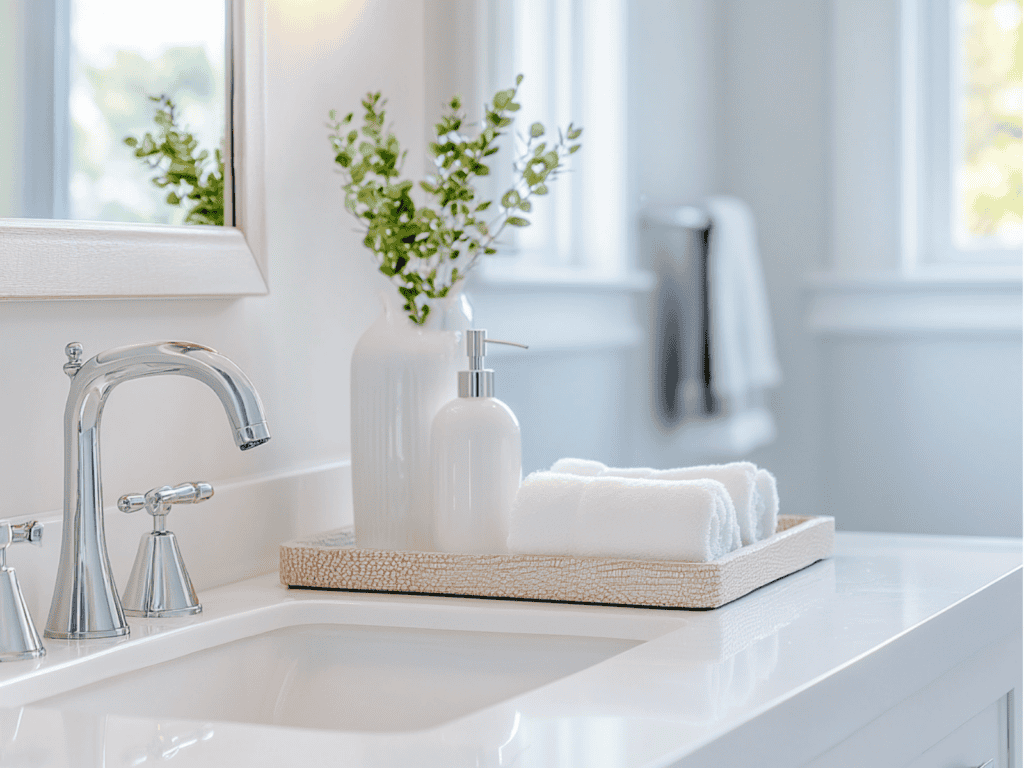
(190, 611)
(95, 635)
(19, 655)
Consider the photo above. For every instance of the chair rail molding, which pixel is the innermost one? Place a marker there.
(871, 305)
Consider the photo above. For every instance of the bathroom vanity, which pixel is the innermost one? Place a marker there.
(897, 651)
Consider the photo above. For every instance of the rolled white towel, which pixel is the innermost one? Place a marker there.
(738, 478)
(565, 514)
(584, 467)
(768, 496)
(652, 519)
(543, 513)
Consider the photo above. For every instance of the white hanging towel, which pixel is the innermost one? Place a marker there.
(743, 360)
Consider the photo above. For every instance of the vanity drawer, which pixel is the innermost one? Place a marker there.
(981, 741)
(965, 717)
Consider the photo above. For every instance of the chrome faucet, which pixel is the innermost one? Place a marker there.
(85, 602)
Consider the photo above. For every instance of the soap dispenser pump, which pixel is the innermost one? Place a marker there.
(476, 460)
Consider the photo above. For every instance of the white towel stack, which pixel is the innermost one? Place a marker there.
(753, 491)
(558, 513)
(690, 514)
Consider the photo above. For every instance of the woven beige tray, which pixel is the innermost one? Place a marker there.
(332, 561)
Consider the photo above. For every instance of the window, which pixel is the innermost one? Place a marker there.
(572, 54)
(987, 124)
(962, 124)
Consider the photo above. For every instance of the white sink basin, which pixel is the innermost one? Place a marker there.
(345, 677)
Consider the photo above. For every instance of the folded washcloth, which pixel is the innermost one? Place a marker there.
(569, 514)
(756, 502)
(652, 520)
(768, 496)
(543, 513)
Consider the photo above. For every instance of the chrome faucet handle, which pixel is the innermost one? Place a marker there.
(159, 500)
(15, 534)
(159, 585)
(18, 636)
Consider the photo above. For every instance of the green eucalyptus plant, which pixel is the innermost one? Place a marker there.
(172, 151)
(426, 249)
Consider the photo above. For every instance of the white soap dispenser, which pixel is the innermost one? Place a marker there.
(476, 461)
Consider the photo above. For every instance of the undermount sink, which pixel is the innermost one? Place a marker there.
(327, 674)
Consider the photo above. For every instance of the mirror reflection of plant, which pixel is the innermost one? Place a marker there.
(173, 152)
(111, 103)
(425, 250)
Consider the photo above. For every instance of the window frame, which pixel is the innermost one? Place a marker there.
(931, 143)
(583, 201)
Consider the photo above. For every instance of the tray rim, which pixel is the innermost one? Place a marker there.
(726, 576)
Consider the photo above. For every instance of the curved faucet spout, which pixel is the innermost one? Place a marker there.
(85, 602)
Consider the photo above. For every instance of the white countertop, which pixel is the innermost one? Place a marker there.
(850, 636)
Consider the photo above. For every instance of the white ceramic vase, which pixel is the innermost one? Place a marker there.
(402, 375)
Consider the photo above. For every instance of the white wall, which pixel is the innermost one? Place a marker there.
(732, 97)
(294, 344)
(922, 367)
(923, 433)
(900, 408)
(911, 422)
(773, 129)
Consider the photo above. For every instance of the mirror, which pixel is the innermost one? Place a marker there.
(74, 101)
(68, 258)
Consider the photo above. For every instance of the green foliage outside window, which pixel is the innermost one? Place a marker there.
(990, 187)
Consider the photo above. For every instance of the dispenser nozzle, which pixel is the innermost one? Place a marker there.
(479, 381)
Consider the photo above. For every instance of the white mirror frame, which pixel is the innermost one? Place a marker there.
(50, 259)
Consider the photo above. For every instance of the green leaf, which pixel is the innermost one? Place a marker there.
(574, 148)
(540, 189)
(526, 205)
(536, 130)
(173, 199)
(483, 206)
(518, 221)
(502, 98)
(519, 80)
(510, 199)
(573, 133)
